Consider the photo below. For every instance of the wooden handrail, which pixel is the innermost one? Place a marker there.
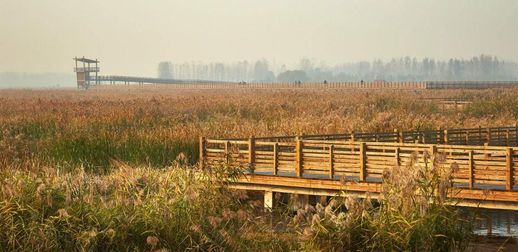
(477, 165)
(500, 136)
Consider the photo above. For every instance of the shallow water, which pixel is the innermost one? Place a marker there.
(503, 223)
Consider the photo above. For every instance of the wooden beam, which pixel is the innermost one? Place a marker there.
(509, 169)
(398, 159)
(298, 157)
(202, 153)
(227, 151)
(471, 169)
(275, 158)
(488, 136)
(507, 200)
(331, 161)
(251, 154)
(362, 161)
(481, 141)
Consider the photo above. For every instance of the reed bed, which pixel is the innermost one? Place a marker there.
(112, 169)
(172, 209)
(411, 214)
(146, 126)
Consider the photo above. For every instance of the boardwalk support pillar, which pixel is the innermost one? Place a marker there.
(202, 153)
(268, 200)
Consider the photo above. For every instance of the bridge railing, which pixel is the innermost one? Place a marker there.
(352, 85)
(475, 167)
(493, 136)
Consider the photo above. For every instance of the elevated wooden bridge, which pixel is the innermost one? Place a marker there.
(87, 73)
(485, 161)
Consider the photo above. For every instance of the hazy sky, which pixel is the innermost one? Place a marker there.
(131, 37)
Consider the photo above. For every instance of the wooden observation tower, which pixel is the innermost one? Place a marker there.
(87, 72)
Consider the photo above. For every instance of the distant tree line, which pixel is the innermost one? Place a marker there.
(483, 67)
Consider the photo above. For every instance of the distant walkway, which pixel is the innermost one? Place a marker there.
(374, 85)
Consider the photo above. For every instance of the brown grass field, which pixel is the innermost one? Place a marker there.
(112, 167)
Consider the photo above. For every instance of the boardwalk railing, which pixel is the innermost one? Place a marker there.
(495, 136)
(476, 167)
(372, 85)
(482, 175)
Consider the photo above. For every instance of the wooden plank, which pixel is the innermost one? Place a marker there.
(471, 173)
(362, 161)
(275, 158)
(398, 158)
(331, 161)
(251, 154)
(202, 153)
(509, 169)
(298, 157)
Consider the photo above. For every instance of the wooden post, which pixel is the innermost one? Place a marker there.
(509, 169)
(227, 151)
(508, 138)
(398, 159)
(488, 136)
(298, 158)
(471, 169)
(352, 136)
(401, 137)
(202, 153)
(480, 135)
(251, 154)
(433, 151)
(467, 137)
(275, 158)
(362, 161)
(397, 135)
(446, 138)
(331, 161)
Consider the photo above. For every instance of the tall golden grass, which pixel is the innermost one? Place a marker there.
(67, 181)
(152, 126)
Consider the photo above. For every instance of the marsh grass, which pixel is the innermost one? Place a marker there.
(98, 170)
(412, 213)
(175, 208)
(150, 127)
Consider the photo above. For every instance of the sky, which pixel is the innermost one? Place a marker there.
(130, 37)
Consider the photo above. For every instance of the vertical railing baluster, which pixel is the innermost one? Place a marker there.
(331, 161)
(362, 161)
(509, 169)
(471, 169)
(275, 158)
(298, 151)
(202, 153)
(251, 154)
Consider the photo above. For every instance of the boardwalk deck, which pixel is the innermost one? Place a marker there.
(484, 175)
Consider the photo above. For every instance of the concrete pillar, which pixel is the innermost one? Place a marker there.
(268, 200)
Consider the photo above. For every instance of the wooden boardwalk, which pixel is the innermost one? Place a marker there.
(486, 164)
(367, 86)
